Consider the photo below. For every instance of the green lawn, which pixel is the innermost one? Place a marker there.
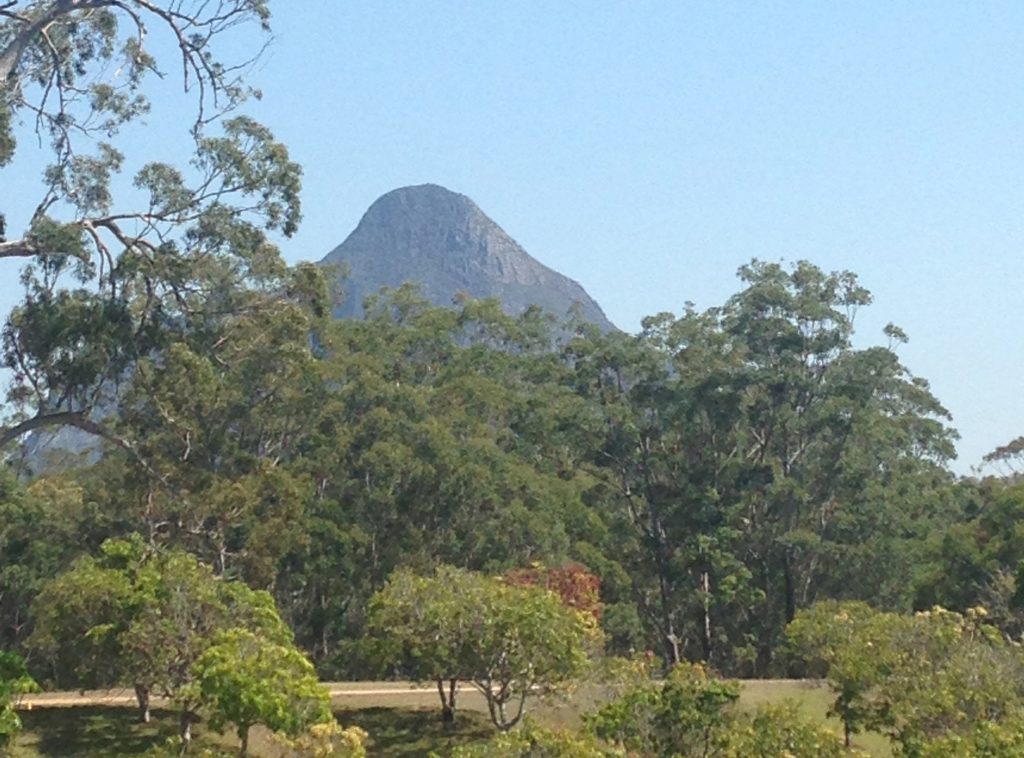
(813, 699)
(400, 725)
(90, 731)
(408, 732)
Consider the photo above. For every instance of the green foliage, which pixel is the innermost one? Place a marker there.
(985, 739)
(742, 449)
(977, 558)
(509, 642)
(144, 617)
(919, 679)
(780, 730)
(851, 644)
(535, 742)
(716, 474)
(688, 714)
(186, 605)
(246, 680)
(429, 450)
(81, 618)
(953, 671)
(425, 624)
(14, 682)
(108, 285)
(694, 714)
(57, 238)
(42, 526)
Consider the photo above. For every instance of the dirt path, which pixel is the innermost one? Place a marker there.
(401, 691)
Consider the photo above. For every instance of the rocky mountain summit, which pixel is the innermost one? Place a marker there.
(442, 241)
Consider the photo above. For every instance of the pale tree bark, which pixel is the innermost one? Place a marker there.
(11, 55)
(142, 697)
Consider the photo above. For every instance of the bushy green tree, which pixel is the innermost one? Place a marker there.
(851, 644)
(44, 525)
(976, 558)
(781, 730)
(693, 714)
(984, 739)
(751, 459)
(82, 617)
(532, 741)
(143, 617)
(921, 679)
(509, 642)
(246, 679)
(14, 682)
(687, 714)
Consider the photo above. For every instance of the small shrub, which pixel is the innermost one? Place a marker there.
(780, 730)
(534, 742)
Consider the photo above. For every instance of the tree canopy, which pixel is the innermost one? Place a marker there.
(509, 642)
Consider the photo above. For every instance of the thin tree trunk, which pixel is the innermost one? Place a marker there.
(447, 704)
(243, 736)
(488, 693)
(665, 595)
(142, 696)
(185, 729)
(221, 564)
(787, 575)
(706, 636)
(522, 708)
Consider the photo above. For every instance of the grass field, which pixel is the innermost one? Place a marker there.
(402, 723)
(89, 731)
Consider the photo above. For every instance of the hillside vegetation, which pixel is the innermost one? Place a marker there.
(486, 498)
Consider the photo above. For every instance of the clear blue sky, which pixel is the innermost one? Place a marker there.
(648, 149)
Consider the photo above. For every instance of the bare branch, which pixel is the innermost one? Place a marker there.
(19, 249)
(79, 420)
(60, 418)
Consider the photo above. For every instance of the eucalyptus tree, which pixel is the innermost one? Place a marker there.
(745, 449)
(220, 417)
(661, 448)
(115, 273)
(438, 441)
(1008, 457)
(835, 436)
(55, 57)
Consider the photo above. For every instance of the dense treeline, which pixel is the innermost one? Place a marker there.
(264, 483)
(717, 472)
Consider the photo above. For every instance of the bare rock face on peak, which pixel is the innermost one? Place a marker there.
(443, 242)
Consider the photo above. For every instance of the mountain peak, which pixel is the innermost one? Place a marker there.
(442, 241)
(423, 200)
